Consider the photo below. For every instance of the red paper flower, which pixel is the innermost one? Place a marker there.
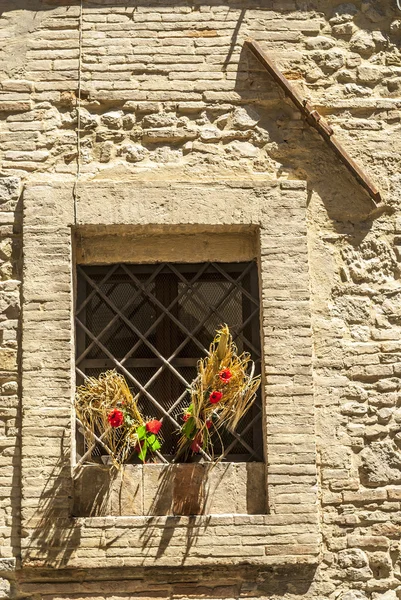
(225, 375)
(186, 416)
(208, 423)
(154, 426)
(115, 418)
(215, 397)
(197, 443)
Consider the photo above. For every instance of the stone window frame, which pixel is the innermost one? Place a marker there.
(53, 216)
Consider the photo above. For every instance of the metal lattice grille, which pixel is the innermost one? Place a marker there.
(152, 323)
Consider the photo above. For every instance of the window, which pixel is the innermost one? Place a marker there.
(234, 221)
(152, 323)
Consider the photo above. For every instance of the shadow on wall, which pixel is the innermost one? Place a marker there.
(304, 155)
(54, 535)
(181, 492)
(176, 489)
(196, 491)
(165, 494)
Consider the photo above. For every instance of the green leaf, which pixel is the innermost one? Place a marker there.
(156, 445)
(153, 442)
(143, 452)
(188, 427)
(141, 432)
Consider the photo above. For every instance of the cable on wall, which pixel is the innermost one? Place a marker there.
(78, 108)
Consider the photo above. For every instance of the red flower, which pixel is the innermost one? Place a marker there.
(208, 423)
(154, 426)
(215, 397)
(186, 416)
(225, 375)
(115, 418)
(196, 444)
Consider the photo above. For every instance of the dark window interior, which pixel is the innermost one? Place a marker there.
(154, 322)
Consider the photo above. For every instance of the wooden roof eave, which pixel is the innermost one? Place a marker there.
(314, 119)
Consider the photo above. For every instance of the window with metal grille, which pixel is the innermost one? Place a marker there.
(152, 323)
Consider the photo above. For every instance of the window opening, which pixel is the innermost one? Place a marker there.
(152, 323)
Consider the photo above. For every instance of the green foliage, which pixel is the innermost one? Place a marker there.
(141, 432)
(189, 427)
(143, 452)
(147, 441)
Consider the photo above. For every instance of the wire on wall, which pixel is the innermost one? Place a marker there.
(78, 107)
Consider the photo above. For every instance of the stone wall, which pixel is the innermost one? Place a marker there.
(168, 93)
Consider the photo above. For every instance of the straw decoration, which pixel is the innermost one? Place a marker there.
(221, 394)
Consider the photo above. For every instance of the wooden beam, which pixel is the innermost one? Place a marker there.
(314, 119)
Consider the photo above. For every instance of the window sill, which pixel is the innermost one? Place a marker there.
(170, 490)
(223, 536)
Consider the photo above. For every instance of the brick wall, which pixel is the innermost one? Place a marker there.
(169, 94)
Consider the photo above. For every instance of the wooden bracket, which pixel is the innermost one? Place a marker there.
(314, 119)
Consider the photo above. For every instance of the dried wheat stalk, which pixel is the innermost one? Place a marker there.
(96, 400)
(221, 394)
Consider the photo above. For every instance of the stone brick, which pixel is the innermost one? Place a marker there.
(394, 493)
(8, 360)
(9, 189)
(5, 589)
(366, 541)
(15, 105)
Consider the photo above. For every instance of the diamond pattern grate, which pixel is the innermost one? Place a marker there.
(152, 323)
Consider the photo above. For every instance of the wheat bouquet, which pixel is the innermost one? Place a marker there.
(221, 394)
(110, 417)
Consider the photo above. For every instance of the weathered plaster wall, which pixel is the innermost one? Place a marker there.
(168, 93)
